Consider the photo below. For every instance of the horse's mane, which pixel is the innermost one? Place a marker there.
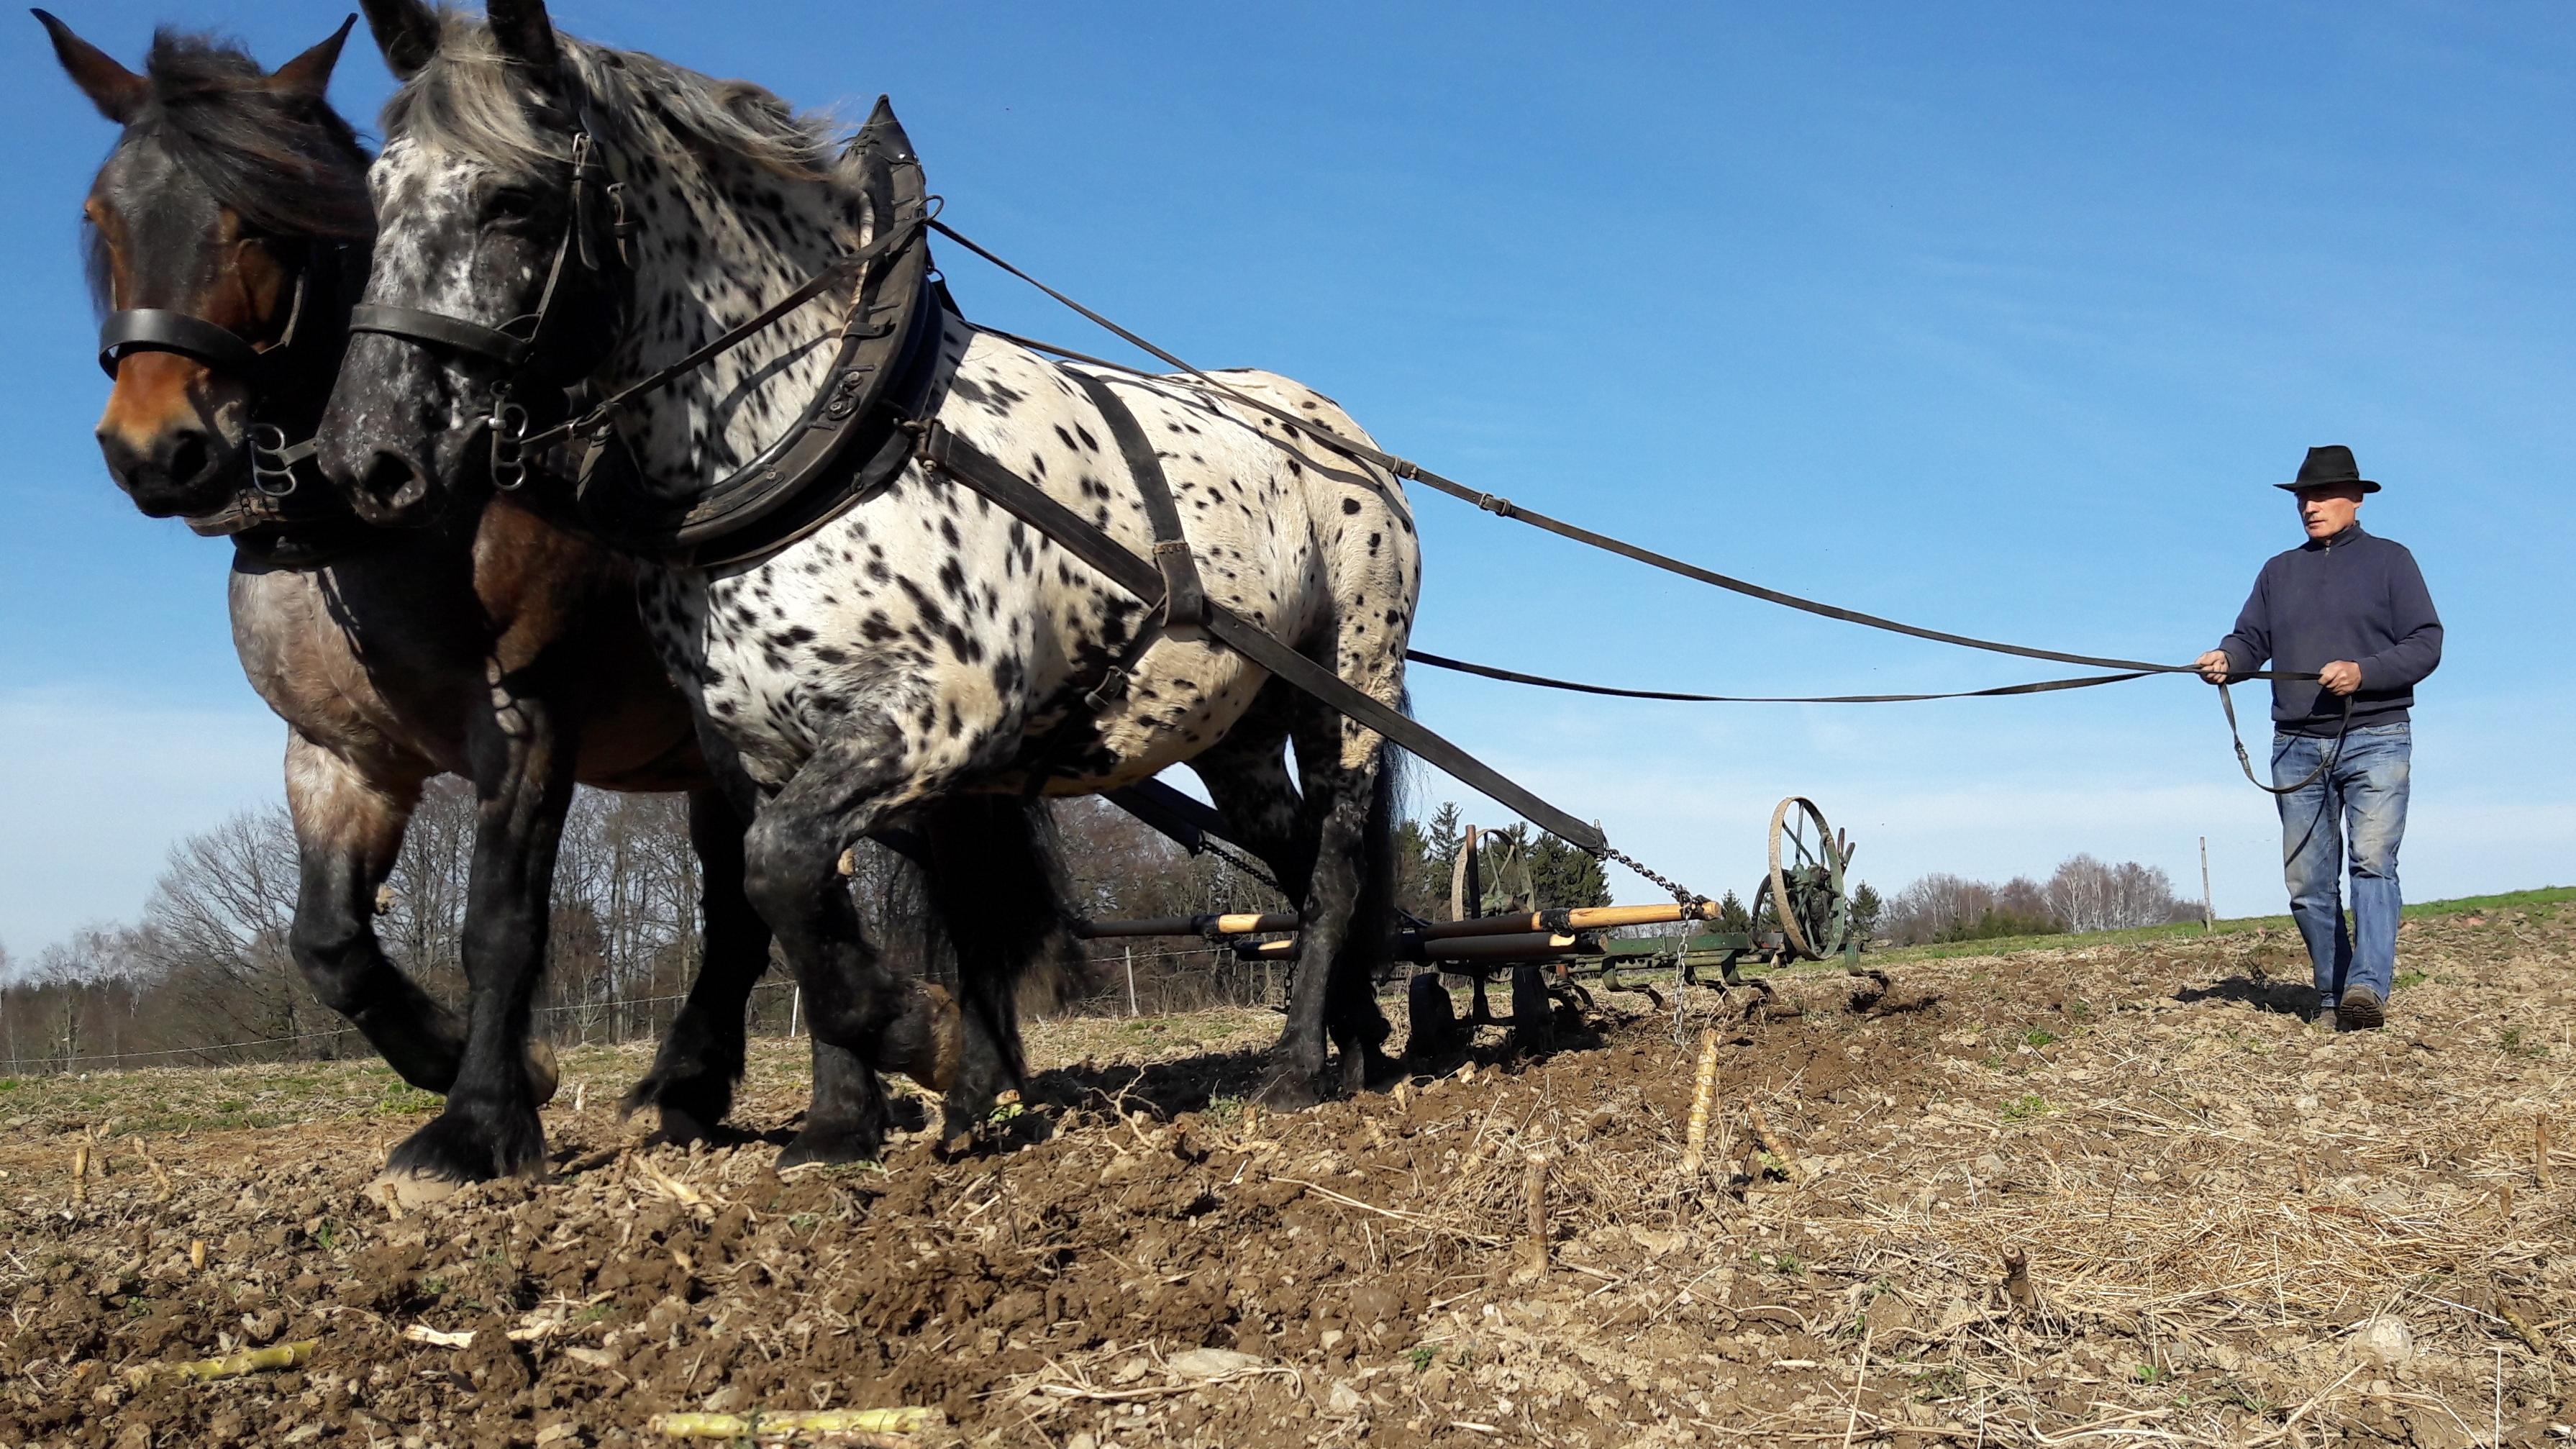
(472, 99)
(284, 166)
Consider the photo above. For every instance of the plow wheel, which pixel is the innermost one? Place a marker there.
(1804, 890)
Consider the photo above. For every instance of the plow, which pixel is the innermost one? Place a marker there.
(1799, 911)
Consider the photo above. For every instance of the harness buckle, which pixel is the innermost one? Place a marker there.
(270, 473)
(509, 424)
(1112, 687)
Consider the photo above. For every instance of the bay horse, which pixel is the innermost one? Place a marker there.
(920, 644)
(229, 232)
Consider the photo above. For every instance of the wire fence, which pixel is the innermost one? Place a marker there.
(1111, 987)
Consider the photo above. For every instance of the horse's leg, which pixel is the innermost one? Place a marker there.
(1358, 1027)
(694, 1073)
(853, 1000)
(348, 829)
(1339, 761)
(522, 762)
(1246, 774)
(997, 885)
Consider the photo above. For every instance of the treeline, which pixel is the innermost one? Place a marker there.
(2083, 894)
(206, 976)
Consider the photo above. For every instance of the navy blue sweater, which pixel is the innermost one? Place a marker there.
(2352, 596)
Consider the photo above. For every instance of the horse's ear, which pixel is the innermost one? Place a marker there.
(406, 31)
(524, 31)
(117, 92)
(308, 76)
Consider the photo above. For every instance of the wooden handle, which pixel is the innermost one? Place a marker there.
(1239, 924)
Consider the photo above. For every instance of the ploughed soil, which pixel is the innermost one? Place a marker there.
(2073, 1195)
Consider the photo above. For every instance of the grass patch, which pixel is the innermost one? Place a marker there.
(2038, 1038)
(2026, 1108)
(402, 1099)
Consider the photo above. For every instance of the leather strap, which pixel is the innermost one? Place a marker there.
(962, 460)
(845, 445)
(153, 329)
(418, 326)
(1184, 601)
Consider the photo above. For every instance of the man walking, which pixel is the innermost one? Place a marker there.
(2351, 608)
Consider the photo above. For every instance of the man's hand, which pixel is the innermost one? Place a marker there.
(2215, 666)
(2341, 677)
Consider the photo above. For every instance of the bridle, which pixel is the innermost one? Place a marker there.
(544, 353)
(273, 459)
(887, 345)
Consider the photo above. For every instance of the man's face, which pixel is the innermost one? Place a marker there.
(2329, 510)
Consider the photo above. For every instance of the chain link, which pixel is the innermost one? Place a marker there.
(1681, 893)
(1209, 845)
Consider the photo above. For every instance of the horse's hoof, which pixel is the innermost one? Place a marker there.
(811, 1146)
(400, 1192)
(545, 1074)
(1380, 1071)
(692, 1108)
(466, 1143)
(1288, 1091)
(944, 1042)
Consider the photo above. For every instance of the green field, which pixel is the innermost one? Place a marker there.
(2544, 903)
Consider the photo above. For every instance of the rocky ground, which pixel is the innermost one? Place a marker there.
(2061, 1196)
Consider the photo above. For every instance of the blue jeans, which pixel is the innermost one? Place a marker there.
(2365, 794)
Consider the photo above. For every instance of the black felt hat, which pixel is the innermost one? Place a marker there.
(2327, 466)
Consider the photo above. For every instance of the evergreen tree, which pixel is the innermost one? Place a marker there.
(1731, 914)
(1564, 877)
(1442, 837)
(1866, 908)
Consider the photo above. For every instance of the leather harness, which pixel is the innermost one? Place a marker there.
(879, 394)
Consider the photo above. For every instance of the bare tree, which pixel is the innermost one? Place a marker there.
(214, 932)
(2089, 895)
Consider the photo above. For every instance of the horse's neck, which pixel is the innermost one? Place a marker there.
(719, 243)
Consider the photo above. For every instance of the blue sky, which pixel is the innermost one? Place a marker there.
(1997, 318)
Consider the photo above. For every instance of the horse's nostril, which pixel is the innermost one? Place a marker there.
(387, 476)
(188, 457)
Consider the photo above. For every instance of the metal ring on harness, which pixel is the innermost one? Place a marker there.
(270, 472)
(509, 425)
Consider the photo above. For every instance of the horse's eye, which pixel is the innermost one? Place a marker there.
(510, 204)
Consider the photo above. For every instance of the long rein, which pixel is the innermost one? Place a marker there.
(518, 342)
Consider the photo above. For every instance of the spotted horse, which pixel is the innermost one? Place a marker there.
(751, 301)
(229, 231)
